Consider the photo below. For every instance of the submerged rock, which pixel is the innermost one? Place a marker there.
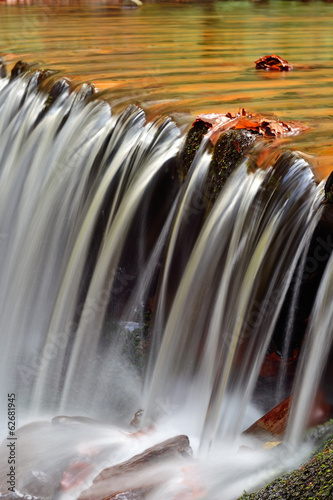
(18, 496)
(34, 478)
(134, 477)
(131, 3)
(76, 420)
(39, 484)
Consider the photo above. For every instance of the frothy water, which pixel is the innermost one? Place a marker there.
(124, 287)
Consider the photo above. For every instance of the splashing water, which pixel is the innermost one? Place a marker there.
(121, 290)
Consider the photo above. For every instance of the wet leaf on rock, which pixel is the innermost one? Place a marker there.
(257, 123)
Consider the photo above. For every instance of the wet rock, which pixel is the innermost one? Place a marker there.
(229, 150)
(19, 68)
(231, 136)
(131, 3)
(273, 424)
(76, 473)
(320, 434)
(85, 91)
(311, 481)
(137, 419)
(3, 71)
(19, 496)
(137, 475)
(74, 421)
(192, 143)
(44, 74)
(329, 189)
(39, 484)
(60, 87)
(33, 476)
(265, 126)
(54, 456)
(129, 495)
(35, 79)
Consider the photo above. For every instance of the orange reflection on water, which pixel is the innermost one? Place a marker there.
(187, 58)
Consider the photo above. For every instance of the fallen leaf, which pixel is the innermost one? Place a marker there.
(256, 123)
(273, 63)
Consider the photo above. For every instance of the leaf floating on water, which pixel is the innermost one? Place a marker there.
(273, 63)
(265, 127)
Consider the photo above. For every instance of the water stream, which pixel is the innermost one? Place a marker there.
(126, 284)
(106, 252)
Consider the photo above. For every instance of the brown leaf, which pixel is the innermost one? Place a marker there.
(247, 124)
(273, 63)
(257, 123)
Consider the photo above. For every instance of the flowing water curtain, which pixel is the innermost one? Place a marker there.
(60, 169)
(43, 180)
(94, 367)
(190, 211)
(69, 303)
(232, 289)
(81, 179)
(317, 347)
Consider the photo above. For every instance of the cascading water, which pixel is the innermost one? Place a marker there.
(242, 261)
(105, 251)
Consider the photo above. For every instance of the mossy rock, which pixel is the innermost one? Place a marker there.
(192, 143)
(228, 152)
(312, 481)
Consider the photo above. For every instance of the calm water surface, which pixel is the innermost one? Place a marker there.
(187, 58)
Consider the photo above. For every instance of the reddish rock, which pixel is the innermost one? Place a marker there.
(137, 475)
(273, 423)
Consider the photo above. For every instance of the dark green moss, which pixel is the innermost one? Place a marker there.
(192, 143)
(312, 481)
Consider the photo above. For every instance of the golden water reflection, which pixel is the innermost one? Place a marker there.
(187, 58)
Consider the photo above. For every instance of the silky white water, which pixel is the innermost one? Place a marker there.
(121, 290)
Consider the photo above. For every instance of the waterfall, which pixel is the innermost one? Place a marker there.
(232, 290)
(123, 287)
